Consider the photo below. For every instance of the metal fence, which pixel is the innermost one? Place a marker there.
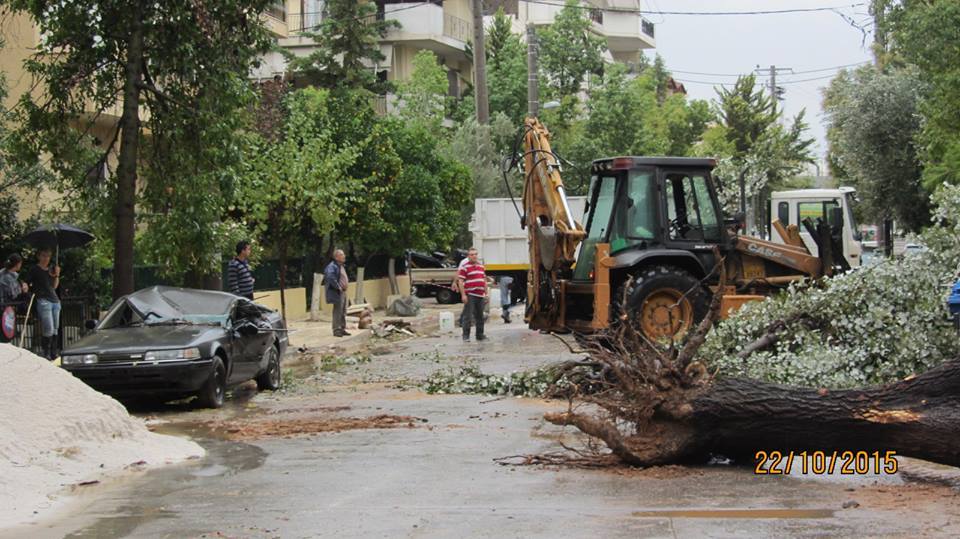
(74, 314)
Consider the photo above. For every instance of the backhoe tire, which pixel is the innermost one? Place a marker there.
(665, 302)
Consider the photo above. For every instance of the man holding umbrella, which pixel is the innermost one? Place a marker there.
(45, 278)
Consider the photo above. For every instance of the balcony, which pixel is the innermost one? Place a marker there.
(626, 33)
(426, 25)
(303, 22)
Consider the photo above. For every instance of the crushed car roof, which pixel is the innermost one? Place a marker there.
(172, 302)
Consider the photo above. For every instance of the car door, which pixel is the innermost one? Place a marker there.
(248, 340)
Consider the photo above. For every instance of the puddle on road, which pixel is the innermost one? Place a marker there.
(737, 513)
(119, 512)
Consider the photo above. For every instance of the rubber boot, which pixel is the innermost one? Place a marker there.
(45, 347)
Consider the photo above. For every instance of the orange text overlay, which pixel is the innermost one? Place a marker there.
(826, 462)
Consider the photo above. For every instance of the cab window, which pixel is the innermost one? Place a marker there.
(691, 214)
(817, 210)
(636, 217)
(603, 192)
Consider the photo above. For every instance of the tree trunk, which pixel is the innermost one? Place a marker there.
(917, 417)
(283, 280)
(392, 275)
(124, 211)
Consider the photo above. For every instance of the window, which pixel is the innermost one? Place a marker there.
(690, 210)
(603, 190)
(817, 210)
(636, 217)
(783, 213)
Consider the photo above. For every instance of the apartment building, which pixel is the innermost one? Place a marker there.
(445, 27)
(442, 26)
(619, 21)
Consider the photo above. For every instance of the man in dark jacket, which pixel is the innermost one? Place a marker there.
(335, 282)
(239, 278)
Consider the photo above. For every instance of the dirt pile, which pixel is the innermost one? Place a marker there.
(57, 432)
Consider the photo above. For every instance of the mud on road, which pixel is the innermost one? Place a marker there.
(353, 448)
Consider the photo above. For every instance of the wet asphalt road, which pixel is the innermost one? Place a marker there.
(439, 479)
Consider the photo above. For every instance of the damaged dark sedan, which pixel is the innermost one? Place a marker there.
(169, 343)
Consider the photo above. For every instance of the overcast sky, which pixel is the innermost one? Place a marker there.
(736, 44)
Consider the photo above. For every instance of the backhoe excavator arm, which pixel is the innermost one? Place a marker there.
(552, 233)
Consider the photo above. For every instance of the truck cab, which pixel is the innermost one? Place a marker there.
(792, 207)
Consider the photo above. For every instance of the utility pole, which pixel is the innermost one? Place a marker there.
(480, 65)
(533, 81)
(776, 92)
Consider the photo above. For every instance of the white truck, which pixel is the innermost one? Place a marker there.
(502, 243)
(792, 207)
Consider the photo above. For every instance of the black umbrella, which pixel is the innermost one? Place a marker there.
(58, 236)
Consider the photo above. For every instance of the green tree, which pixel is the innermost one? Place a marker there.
(569, 51)
(755, 150)
(348, 38)
(875, 120)
(174, 69)
(924, 34)
(625, 116)
(506, 69)
(423, 97)
(423, 206)
(299, 182)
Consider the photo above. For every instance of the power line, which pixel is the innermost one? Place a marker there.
(731, 83)
(700, 13)
(821, 70)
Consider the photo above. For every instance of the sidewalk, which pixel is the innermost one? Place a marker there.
(318, 334)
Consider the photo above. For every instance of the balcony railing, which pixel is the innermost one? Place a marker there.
(304, 22)
(277, 10)
(596, 15)
(646, 26)
(457, 28)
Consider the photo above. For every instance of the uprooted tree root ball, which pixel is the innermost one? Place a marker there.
(655, 406)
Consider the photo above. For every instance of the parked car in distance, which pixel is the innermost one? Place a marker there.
(168, 343)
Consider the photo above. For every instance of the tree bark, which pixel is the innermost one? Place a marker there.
(283, 280)
(125, 208)
(392, 275)
(917, 417)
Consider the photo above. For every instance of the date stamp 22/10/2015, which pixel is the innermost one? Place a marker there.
(826, 462)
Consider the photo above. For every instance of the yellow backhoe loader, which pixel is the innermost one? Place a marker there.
(652, 232)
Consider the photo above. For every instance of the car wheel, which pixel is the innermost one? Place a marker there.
(214, 390)
(270, 378)
(445, 296)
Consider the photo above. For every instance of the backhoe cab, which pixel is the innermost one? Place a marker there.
(652, 232)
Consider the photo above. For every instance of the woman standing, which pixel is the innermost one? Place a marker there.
(45, 279)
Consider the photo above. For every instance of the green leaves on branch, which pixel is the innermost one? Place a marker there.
(299, 182)
(874, 121)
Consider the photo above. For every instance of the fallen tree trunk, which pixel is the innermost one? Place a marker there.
(919, 417)
(656, 406)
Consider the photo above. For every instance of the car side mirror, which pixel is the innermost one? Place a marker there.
(91, 324)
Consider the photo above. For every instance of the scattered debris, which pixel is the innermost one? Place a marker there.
(274, 428)
(87, 483)
(393, 327)
(405, 306)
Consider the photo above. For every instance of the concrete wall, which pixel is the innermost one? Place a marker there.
(296, 301)
(375, 291)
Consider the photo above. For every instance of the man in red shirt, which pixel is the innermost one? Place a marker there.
(473, 289)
